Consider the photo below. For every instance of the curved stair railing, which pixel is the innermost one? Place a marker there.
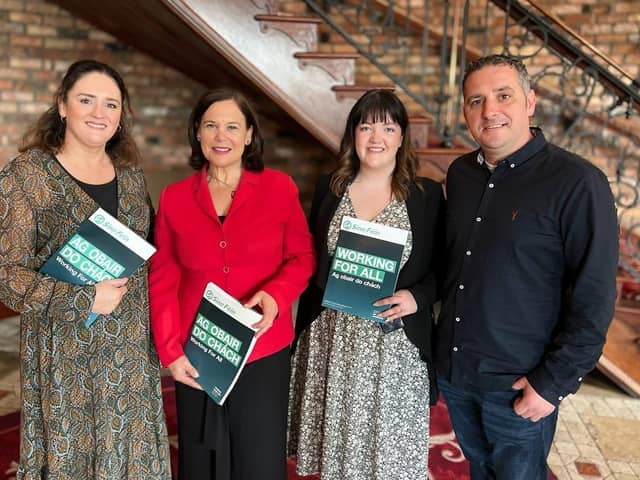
(586, 102)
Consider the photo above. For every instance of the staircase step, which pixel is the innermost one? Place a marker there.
(442, 153)
(419, 126)
(340, 66)
(356, 91)
(270, 5)
(285, 18)
(620, 360)
(435, 161)
(302, 30)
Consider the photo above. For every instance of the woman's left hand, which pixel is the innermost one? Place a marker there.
(269, 309)
(403, 304)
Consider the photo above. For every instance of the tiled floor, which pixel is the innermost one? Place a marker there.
(598, 434)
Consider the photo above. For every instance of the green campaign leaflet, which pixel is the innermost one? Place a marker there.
(101, 249)
(220, 342)
(364, 268)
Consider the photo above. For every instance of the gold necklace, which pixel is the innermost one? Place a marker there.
(222, 182)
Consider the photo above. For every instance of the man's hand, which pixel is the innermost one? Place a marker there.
(530, 405)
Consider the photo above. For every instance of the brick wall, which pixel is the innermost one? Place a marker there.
(613, 26)
(38, 41)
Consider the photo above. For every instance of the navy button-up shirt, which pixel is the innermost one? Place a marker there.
(532, 255)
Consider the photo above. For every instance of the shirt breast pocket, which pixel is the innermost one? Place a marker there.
(522, 223)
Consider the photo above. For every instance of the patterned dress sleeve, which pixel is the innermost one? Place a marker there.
(22, 288)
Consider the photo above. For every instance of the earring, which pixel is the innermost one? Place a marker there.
(198, 137)
(247, 142)
(63, 119)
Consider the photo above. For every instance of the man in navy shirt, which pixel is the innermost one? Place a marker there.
(532, 249)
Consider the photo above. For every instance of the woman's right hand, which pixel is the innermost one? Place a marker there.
(183, 372)
(109, 294)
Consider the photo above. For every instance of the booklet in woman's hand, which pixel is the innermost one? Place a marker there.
(365, 268)
(220, 342)
(101, 249)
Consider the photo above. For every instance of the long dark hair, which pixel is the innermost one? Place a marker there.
(48, 132)
(252, 154)
(376, 106)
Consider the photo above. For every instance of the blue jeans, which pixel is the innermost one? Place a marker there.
(499, 444)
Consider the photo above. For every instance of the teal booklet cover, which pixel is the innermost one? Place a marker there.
(364, 268)
(101, 249)
(220, 342)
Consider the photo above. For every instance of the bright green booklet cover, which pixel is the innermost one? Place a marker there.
(220, 342)
(364, 268)
(101, 249)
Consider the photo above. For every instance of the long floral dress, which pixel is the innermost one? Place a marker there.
(359, 398)
(91, 397)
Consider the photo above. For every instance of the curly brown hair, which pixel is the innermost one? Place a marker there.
(376, 106)
(48, 132)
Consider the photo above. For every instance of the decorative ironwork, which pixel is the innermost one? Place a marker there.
(391, 37)
(585, 108)
(584, 102)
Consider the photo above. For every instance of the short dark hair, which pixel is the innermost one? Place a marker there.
(376, 106)
(500, 61)
(252, 154)
(48, 132)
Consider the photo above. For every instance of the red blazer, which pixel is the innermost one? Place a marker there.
(263, 244)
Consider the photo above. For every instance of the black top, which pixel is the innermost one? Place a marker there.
(532, 252)
(419, 275)
(105, 195)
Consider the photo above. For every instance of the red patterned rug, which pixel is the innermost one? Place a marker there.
(446, 461)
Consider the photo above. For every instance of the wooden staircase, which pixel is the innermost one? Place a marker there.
(281, 53)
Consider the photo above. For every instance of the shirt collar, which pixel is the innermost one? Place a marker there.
(525, 152)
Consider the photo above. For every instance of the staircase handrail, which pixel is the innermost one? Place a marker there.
(554, 39)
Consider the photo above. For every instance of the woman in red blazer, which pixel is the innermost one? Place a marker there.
(241, 226)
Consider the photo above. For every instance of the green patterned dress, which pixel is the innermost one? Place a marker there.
(91, 397)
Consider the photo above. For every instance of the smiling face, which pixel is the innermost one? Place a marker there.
(377, 144)
(223, 134)
(91, 111)
(497, 111)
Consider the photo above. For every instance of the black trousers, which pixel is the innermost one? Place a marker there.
(245, 439)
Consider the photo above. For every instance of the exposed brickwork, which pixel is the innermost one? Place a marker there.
(612, 26)
(39, 40)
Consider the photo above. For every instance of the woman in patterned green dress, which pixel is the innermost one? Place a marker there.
(91, 397)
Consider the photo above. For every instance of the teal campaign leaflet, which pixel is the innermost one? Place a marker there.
(220, 342)
(364, 268)
(101, 249)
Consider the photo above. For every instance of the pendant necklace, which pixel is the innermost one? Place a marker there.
(222, 182)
